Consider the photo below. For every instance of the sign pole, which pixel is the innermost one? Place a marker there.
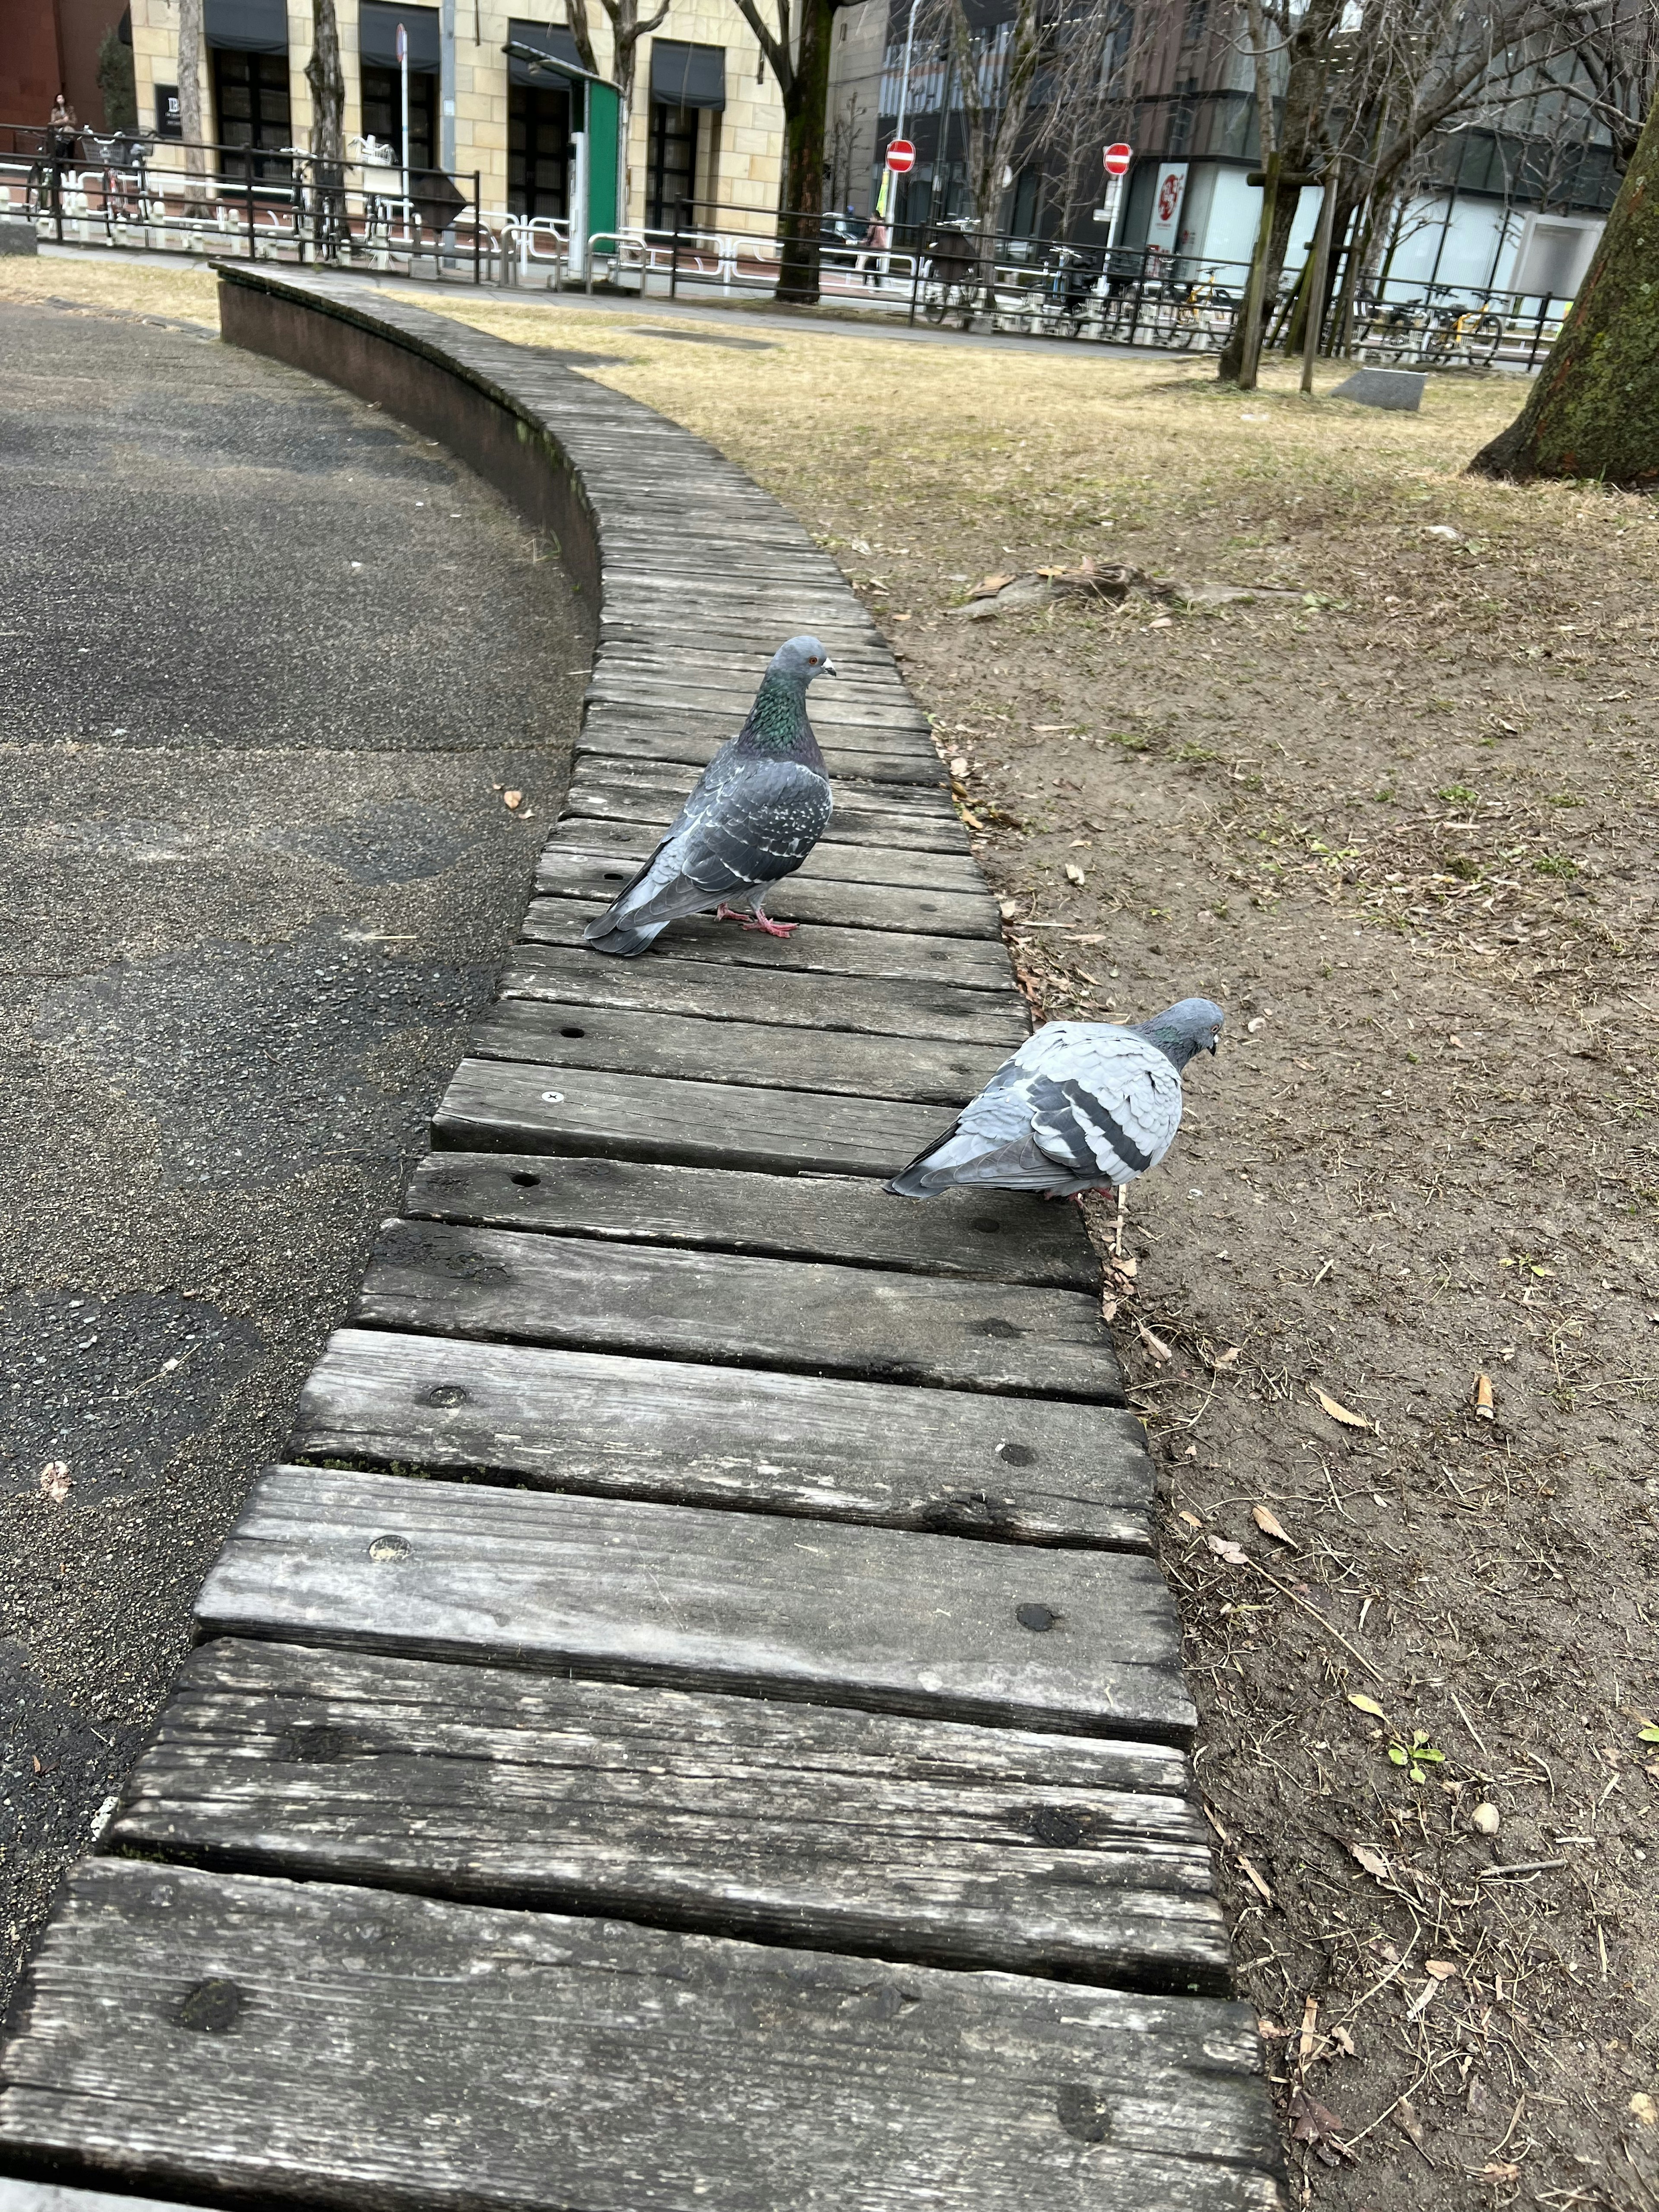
(403, 74)
(1116, 161)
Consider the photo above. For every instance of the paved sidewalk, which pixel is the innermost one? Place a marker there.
(259, 879)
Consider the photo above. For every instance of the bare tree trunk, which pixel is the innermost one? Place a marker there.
(328, 80)
(805, 107)
(575, 15)
(1594, 412)
(190, 127)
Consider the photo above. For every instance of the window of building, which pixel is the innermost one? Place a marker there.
(685, 80)
(383, 112)
(251, 108)
(378, 24)
(672, 172)
(537, 150)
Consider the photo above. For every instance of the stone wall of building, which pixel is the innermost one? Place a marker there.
(739, 152)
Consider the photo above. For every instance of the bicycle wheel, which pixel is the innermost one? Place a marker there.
(936, 302)
(1484, 339)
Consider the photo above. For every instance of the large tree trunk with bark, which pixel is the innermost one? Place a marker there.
(191, 49)
(1595, 409)
(806, 107)
(326, 78)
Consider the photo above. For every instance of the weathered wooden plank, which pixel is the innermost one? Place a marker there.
(620, 791)
(878, 1007)
(496, 1105)
(1084, 1642)
(755, 1054)
(639, 735)
(862, 863)
(1009, 1470)
(567, 871)
(933, 1841)
(812, 1318)
(883, 717)
(309, 2042)
(973, 964)
(988, 1237)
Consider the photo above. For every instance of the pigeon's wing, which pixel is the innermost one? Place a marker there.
(1079, 1105)
(1103, 1099)
(753, 827)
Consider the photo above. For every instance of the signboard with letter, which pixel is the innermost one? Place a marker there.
(1168, 194)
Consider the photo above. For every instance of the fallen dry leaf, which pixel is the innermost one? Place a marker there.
(1313, 2124)
(55, 1481)
(1338, 1413)
(1373, 1861)
(1644, 2110)
(1405, 2119)
(1226, 1358)
(1109, 1308)
(1191, 1519)
(971, 818)
(1442, 1969)
(1499, 2169)
(1223, 1548)
(958, 763)
(1074, 874)
(513, 798)
(1270, 1525)
(988, 587)
(1366, 1705)
(1154, 1345)
(1343, 2042)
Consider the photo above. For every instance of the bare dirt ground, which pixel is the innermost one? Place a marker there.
(1400, 824)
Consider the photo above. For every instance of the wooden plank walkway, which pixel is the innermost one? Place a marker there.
(695, 1718)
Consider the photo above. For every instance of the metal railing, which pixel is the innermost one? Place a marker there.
(252, 203)
(276, 204)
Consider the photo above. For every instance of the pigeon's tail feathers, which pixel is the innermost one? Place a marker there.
(963, 1160)
(616, 933)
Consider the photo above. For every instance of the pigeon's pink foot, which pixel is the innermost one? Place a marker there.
(724, 913)
(772, 928)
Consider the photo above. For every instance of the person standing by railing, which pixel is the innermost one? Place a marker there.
(874, 249)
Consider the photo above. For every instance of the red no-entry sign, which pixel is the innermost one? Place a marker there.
(1117, 159)
(900, 157)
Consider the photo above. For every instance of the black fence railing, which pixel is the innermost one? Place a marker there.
(265, 202)
(952, 276)
(249, 200)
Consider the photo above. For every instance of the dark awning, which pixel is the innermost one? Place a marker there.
(377, 36)
(552, 39)
(688, 76)
(247, 26)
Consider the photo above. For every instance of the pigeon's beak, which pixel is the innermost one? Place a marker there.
(830, 667)
(1215, 1045)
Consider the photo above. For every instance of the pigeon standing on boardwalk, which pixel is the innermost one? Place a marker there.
(755, 812)
(1081, 1106)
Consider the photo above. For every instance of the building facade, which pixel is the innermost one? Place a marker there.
(1514, 200)
(706, 128)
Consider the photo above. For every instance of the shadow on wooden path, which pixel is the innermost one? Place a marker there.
(697, 1723)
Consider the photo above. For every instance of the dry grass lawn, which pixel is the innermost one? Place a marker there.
(1402, 825)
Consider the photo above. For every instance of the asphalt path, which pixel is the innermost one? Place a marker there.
(268, 664)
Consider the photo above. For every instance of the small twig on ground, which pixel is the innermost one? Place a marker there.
(1313, 1613)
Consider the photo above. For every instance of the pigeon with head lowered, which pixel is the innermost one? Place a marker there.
(1081, 1106)
(755, 812)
